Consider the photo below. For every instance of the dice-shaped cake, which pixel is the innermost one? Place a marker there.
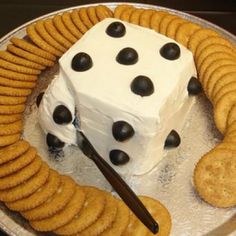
(127, 87)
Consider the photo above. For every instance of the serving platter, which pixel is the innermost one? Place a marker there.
(170, 182)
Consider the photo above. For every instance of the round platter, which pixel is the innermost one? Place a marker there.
(170, 182)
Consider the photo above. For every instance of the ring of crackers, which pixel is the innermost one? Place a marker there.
(52, 205)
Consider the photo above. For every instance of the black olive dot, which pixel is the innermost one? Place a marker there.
(194, 86)
(116, 29)
(54, 142)
(62, 115)
(170, 51)
(39, 99)
(172, 140)
(81, 62)
(127, 56)
(122, 130)
(118, 157)
(142, 86)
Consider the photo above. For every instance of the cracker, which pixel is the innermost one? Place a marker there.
(13, 151)
(66, 17)
(173, 26)
(135, 16)
(185, 31)
(55, 203)
(6, 119)
(84, 17)
(78, 22)
(103, 12)
(159, 213)
(91, 211)
(11, 128)
(127, 12)
(232, 113)
(226, 145)
(22, 175)
(119, 10)
(16, 83)
(121, 221)
(222, 109)
(21, 69)
(29, 56)
(91, 11)
(8, 100)
(145, 18)
(166, 19)
(40, 28)
(18, 163)
(156, 20)
(9, 139)
(11, 109)
(231, 127)
(64, 216)
(20, 61)
(198, 36)
(26, 188)
(17, 76)
(14, 92)
(214, 178)
(105, 219)
(57, 20)
(51, 29)
(38, 197)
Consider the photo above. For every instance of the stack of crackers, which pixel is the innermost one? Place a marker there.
(54, 202)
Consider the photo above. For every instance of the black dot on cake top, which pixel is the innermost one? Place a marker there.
(81, 62)
(194, 86)
(116, 29)
(118, 157)
(122, 130)
(39, 99)
(170, 51)
(54, 142)
(62, 115)
(127, 56)
(142, 85)
(172, 140)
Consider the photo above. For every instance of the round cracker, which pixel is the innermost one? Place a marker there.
(7, 119)
(126, 14)
(166, 19)
(78, 22)
(91, 11)
(84, 17)
(103, 12)
(135, 16)
(119, 10)
(9, 100)
(173, 26)
(11, 109)
(145, 18)
(9, 139)
(156, 20)
(11, 128)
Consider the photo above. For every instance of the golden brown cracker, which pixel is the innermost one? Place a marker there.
(55, 203)
(198, 36)
(9, 139)
(6, 119)
(22, 175)
(11, 109)
(156, 20)
(84, 17)
(26, 188)
(78, 22)
(166, 19)
(222, 109)
(38, 197)
(119, 10)
(173, 26)
(126, 14)
(9, 100)
(121, 221)
(91, 11)
(5, 55)
(17, 164)
(64, 216)
(58, 22)
(29, 56)
(21, 69)
(135, 16)
(14, 92)
(66, 17)
(103, 12)
(226, 145)
(159, 213)
(214, 178)
(184, 32)
(232, 114)
(16, 83)
(231, 126)
(91, 211)
(52, 30)
(40, 28)
(11, 128)
(145, 18)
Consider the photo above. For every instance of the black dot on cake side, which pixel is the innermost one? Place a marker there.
(81, 62)
(54, 142)
(122, 131)
(142, 85)
(62, 115)
(116, 29)
(173, 140)
(170, 51)
(194, 86)
(118, 157)
(127, 56)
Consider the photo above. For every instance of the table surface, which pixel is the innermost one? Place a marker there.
(14, 13)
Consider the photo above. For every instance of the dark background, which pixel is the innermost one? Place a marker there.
(13, 13)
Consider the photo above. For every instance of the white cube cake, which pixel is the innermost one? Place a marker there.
(129, 86)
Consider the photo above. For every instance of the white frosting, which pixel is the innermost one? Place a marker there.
(102, 94)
